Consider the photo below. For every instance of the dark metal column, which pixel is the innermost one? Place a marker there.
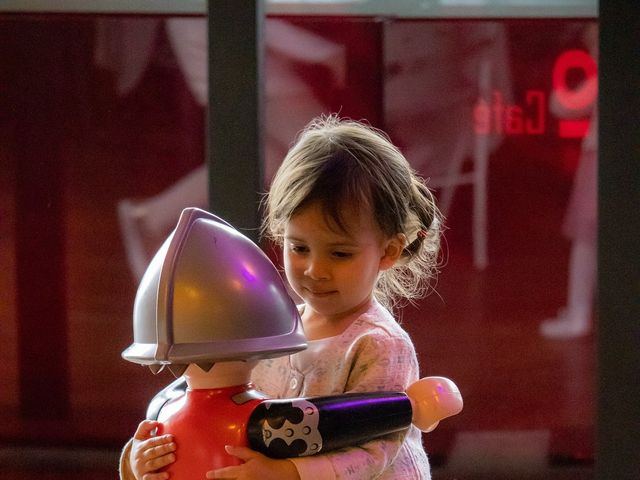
(235, 111)
(39, 100)
(618, 432)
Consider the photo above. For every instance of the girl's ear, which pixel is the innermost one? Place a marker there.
(392, 251)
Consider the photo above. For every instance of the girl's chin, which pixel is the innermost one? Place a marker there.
(325, 304)
(320, 305)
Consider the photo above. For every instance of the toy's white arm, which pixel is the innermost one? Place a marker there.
(433, 399)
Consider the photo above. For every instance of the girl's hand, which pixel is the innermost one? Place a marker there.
(150, 453)
(256, 467)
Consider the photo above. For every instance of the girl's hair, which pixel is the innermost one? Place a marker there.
(340, 162)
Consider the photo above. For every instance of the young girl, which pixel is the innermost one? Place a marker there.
(359, 232)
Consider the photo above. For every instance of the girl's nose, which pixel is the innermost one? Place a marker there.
(316, 269)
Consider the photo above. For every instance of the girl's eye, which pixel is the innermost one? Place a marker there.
(343, 254)
(299, 249)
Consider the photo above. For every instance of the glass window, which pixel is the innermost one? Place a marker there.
(102, 143)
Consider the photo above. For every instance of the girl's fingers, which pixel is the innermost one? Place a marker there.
(159, 462)
(144, 429)
(243, 453)
(154, 442)
(226, 472)
(158, 451)
(156, 476)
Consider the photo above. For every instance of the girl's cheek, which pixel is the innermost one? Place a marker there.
(297, 268)
(290, 264)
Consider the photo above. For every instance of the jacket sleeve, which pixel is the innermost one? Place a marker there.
(125, 466)
(379, 362)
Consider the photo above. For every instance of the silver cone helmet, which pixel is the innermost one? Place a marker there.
(209, 295)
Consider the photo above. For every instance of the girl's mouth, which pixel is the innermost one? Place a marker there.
(320, 294)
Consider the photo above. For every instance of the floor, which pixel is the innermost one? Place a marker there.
(101, 464)
(529, 401)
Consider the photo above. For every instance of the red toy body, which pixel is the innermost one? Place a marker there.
(205, 420)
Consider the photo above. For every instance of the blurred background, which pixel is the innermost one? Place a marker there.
(103, 142)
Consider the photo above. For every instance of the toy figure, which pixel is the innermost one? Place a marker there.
(210, 304)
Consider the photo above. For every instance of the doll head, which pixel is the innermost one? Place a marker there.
(211, 295)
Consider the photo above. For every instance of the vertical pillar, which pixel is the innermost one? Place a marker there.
(618, 334)
(235, 112)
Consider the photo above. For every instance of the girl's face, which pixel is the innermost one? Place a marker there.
(334, 272)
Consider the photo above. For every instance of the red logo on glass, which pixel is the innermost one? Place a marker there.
(495, 116)
(579, 98)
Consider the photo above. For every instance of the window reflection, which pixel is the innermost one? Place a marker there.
(499, 115)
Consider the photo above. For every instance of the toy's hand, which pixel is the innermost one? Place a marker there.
(150, 453)
(256, 467)
(433, 399)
